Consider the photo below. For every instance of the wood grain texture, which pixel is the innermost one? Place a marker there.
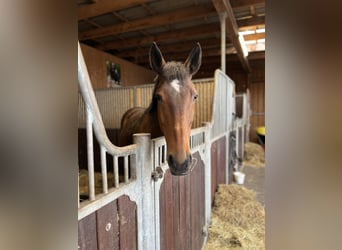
(128, 223)
(106, 6)
(151, 21)
(218, 164)
(87, 237)
(182, 209)
(108, 227)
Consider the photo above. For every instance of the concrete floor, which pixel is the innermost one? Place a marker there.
(255, 180)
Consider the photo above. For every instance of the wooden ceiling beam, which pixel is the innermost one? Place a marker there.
(223, 6)
(178, 47)
(256, 36)
(212, 62)
(106, 6)
(171, 17)
(253, 21)
(244, 3)
(141, 56)
(205, 29)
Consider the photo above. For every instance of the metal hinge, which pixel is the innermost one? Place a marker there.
(157, 174)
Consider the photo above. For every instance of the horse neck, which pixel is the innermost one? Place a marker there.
(151, 115)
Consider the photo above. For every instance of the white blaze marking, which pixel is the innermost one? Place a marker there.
(175, 84)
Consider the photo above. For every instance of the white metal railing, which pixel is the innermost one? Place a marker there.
(94, 123)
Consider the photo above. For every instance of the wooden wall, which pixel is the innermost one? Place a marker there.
(255, 82)
(131, 74)
(257, 92)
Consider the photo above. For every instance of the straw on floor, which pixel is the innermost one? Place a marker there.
(254, 155)
(238, 220)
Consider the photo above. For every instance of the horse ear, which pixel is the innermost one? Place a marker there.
(193, 62)
(156, 58)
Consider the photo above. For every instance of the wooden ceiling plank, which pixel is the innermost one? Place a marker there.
(141, 57)
(253, 21)
(179, 47)
(256, 36)
(149, 22)
(206, 29)
(232, 28)
(244, 3)
(106, 6)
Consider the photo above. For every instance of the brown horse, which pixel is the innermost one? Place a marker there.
(171, 111)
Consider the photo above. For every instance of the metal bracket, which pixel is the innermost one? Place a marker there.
(157, 174)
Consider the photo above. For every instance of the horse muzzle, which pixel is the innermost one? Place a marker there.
(177, 168)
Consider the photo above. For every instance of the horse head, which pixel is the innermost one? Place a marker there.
(173, 101)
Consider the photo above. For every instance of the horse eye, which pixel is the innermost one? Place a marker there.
(157, 97)
(195, 97)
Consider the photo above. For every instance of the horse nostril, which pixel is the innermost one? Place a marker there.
(170, 160)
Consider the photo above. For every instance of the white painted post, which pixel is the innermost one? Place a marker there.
(90, 154)
(145, 214)
(207, 173)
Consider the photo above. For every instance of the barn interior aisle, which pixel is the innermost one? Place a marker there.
(254, 169)
(238, 214)
(128, 197)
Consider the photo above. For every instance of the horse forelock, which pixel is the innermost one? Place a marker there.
(170, 72)
(174, 70)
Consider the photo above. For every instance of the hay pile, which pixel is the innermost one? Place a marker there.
(238, 220)
(83, 182)
(254, 155)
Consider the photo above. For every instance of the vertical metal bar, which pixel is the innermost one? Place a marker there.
(90, 153)
(104, 170)
(165, 156)
(207, 174)
(116, 171)
(146, 218)
(78, 190)
(133, 165)
(126, 168)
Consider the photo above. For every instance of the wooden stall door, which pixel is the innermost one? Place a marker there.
(218, 164)
(111, 227)
(182, 209)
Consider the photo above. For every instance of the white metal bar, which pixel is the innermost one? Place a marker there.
(116, 171)
(91, 104)
(90, 154)
(88, 207)
(78, 190)
(104, 170)
(126, 168)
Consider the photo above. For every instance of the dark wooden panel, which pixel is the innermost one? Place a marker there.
(127, 223)
(108, 227)
(166, 216)
(87, 239)
(175, 209)
(218, 164)
(182, 209)
(231, 155)
(213, 170)
(197, 202)
(184, 212)
(240, 143)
